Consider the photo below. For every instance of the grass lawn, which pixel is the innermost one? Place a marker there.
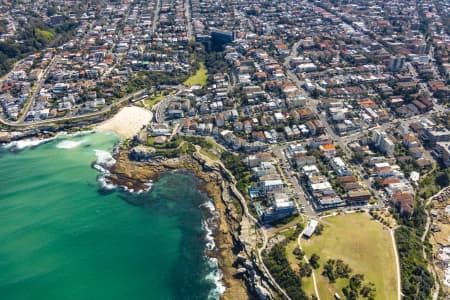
(209, 153)
(153, 99)
(361, 243)
(308, 286)
(199, 78)
(292, 259)
(307, 282)
(48, 35)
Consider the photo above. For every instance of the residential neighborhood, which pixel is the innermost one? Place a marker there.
(316, 109)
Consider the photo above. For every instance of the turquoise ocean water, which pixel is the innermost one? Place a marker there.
(63, 237)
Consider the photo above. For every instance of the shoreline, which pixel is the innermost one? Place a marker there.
(132, 175)
(125, 123)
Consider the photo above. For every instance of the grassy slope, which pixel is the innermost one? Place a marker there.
(307, 283)
(48, 35)
(361, 243)
(199, 78)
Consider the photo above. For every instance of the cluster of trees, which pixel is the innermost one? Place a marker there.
(314, 261)
(215, 63)
(380, 219)
(34, 35)
(234, 163)
(355, 287)
(319, 229)
(305, 269)
(155, 78)
(417, 281)
(298, 253)
(280, 269)
(334, 269)
(443, 178)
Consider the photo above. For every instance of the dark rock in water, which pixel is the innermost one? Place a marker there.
(105, 192)
(87, 146)
(137, 200)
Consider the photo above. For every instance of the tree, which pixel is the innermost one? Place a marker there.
(368, 291)
(279, 267)
(319, 229)
(349, 293)
(342, 270)
(298, 253)
(443, 179)
(314, 261)
(51, 11)
(305, 269)
(328, 270)
(356, 281)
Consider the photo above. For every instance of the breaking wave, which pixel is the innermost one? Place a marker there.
(104, 158)
(215, 276)
(67, 144)
(24, 144)
(209, 224)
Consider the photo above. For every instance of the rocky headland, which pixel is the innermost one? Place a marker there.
(133, 170)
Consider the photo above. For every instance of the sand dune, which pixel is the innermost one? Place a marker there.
(128, 121)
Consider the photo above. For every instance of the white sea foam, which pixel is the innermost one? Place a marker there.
(210, 206)
(208, 224)
(105, 183)
(74, 134)
(215, 276)
(210, 243)
(24, 144)
(104, 158)
(78, 133)
(67, 144)
(102, 179)
(138, 192)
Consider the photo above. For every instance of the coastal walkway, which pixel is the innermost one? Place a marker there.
(248, 220)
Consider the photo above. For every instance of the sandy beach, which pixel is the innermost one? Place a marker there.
(127, 122)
